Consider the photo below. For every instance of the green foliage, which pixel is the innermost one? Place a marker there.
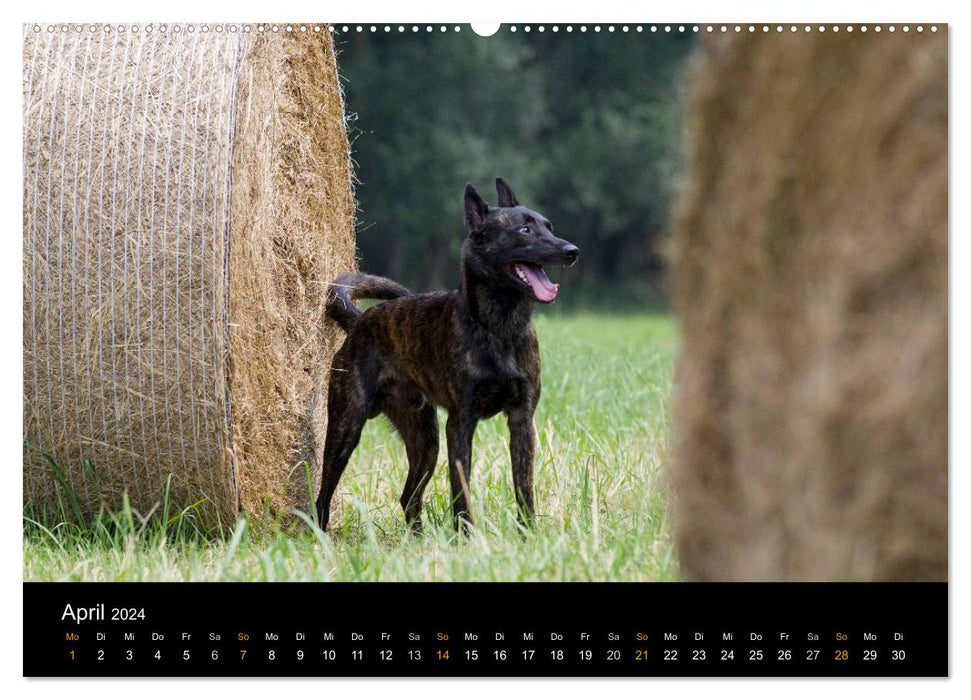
(603, 426)
(586, 127)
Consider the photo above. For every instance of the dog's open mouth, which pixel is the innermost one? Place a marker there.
(535, 278)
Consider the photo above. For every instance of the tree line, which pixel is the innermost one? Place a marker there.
(586, 127)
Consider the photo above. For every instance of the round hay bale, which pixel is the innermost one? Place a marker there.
(187, 198)
(810, 273)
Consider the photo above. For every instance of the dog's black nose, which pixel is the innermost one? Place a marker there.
(571, 252)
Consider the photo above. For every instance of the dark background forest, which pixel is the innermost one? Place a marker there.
(586, 128)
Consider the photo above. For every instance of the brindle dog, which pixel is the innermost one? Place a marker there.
(472, 351)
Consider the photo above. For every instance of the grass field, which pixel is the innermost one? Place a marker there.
(603, 425)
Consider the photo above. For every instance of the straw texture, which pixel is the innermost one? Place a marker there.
(186, 199)
(810, 264)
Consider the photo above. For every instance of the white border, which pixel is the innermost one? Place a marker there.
(818, 11)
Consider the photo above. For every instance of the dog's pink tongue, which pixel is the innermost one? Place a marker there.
(543, 289)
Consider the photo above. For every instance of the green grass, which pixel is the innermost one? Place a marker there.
(603, 425)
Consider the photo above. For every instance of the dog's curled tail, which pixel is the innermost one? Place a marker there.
(358, 285)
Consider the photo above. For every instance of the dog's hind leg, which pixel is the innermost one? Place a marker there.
(348, 405)
(343, 434)
(419, 431)
(458, 433)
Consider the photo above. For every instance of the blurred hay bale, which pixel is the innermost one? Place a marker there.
(810, 264)
(187, 198)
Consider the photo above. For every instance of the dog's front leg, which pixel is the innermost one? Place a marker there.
(459, 429)
(522, 449)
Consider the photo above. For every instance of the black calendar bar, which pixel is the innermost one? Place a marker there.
(473, 629)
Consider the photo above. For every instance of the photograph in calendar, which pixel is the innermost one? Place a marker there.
(434, 303)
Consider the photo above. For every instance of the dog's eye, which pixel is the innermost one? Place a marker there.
(524, 229)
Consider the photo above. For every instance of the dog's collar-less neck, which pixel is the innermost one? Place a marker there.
(497, 313)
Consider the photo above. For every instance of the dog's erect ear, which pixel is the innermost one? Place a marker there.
(506, 196)
(476, 208)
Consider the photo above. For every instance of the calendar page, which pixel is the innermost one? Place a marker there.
(437, 349)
